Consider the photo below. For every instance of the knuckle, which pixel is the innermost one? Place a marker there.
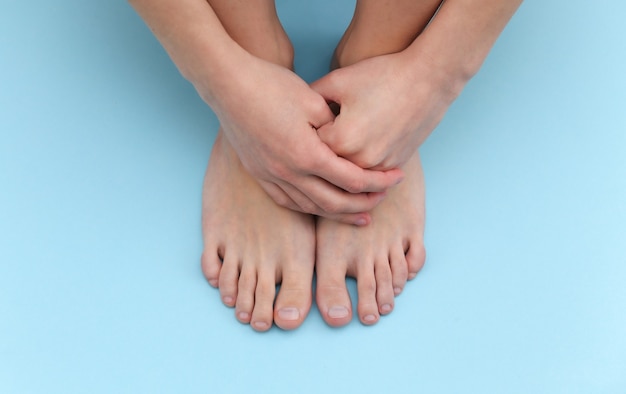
(302, 159)
(282, 200)
(330, 207)
(308, 207)
(334, 78)
(368, 158)
(320, 107)
(365, 161)
(355, 185)
(307, 161)
(342, 144)
(278, 170)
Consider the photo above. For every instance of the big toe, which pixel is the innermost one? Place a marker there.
(332, 295)
(293, 301)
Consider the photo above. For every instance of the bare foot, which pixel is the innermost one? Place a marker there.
(381, 256)
(251, 245)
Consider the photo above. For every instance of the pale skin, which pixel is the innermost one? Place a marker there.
(259, 103)
(258, 200)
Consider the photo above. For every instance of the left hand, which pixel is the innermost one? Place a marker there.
(388, 106)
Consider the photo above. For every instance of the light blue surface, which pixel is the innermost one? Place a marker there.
(102, 151)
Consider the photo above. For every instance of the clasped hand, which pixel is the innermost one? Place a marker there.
(388, 106)
(339, 167)
(270, 117)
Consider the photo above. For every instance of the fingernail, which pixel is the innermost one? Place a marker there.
(289, 313)
(337, 312)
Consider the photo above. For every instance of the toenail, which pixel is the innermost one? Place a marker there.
(397, 290)
(386, 308)
(244, 315)
(289, 313)
(213, 282)
(412, 275)
(261, 325)
(228, 300)
(337, 312)
(369, 318)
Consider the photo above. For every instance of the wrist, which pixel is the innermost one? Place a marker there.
(461, 34)
(213, 70)
(447, 73)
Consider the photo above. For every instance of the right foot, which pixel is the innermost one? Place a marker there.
(251, 245)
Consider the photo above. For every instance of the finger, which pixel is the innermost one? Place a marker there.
(329, 136)
(307, 205)
(291, 198)
(304, 203)
(322, 113)
(333, 201)
(330, 86)
(279, 196)
(352, 178)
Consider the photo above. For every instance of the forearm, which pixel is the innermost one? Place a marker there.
(195, 40)
(461, 35)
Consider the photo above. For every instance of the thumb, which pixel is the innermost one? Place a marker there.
(330, 86)
(327, 132)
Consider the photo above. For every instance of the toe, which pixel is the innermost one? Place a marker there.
(261, 319)
(384, 287)
(294, 299)
(211, 265)
(366, 289)
(415, 257)
(332, 295)
(228, 280)
(399, 269)
(245, 295)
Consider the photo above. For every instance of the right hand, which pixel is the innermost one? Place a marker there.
(271, 116)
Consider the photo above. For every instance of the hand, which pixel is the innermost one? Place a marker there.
(270, 117)
(388, 106)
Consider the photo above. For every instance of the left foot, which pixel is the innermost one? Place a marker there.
(381, 256)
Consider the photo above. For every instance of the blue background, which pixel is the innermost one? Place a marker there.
(103, 146)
